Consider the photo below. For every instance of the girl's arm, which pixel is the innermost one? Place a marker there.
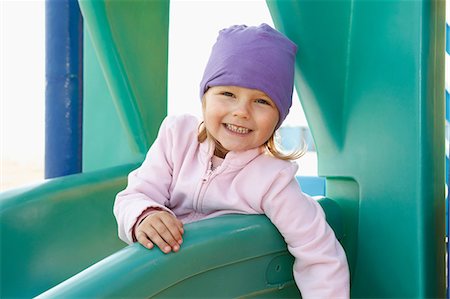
(320, 268)
(148, 186)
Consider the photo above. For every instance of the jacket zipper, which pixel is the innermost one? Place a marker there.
(204, 183)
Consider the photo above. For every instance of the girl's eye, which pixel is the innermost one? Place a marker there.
(227, 94)
(263, 101)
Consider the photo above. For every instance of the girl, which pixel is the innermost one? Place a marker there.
(229, 163)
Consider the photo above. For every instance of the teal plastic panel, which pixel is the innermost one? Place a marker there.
(130, 39)
(370, 76)
(105, 140)
(51, 231)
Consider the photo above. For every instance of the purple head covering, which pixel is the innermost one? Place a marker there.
(256, 57)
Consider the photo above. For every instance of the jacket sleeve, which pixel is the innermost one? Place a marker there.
(148, 186)
(320, 267)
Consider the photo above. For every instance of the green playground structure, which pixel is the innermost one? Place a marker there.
(370, 77)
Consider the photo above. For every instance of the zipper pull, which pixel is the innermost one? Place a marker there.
(207, 175)
(208, 171)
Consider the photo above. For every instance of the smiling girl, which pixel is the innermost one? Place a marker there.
(229, 163)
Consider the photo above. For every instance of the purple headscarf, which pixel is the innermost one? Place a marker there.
(256, 57)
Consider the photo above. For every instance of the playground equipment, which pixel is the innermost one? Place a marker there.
(370, 76)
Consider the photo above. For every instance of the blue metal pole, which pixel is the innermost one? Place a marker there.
(64, 88)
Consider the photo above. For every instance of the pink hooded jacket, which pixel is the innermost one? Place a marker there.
(176, 176)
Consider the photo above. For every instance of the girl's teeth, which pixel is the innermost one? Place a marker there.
(237, 129)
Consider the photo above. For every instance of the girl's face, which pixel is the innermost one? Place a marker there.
(239, 118)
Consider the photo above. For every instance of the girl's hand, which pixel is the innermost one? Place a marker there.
(161, 229)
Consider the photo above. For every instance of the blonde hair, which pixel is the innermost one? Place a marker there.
(271, 145)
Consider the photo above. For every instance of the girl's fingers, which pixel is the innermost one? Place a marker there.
(161, 229)
(180, 226)
(173, 226)
(155, 237)
(141, 237)
(169, 233)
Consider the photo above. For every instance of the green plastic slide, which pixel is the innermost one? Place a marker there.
(53, 231)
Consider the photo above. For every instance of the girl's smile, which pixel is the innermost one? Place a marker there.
(239, 118)
(237, 129)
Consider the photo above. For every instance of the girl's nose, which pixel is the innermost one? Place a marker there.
(241, 110)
